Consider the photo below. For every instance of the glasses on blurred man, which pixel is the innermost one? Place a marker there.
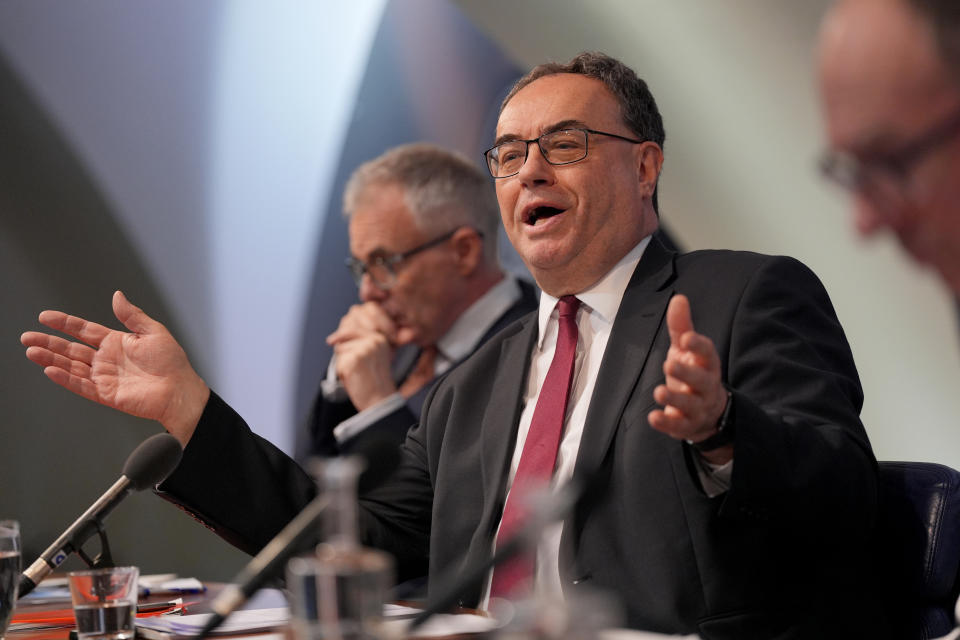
(382, 267)
(885, 178)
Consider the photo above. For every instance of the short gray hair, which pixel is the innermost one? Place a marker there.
(443, 190)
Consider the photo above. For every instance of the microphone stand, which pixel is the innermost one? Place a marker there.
(547, 509)
(104, 559)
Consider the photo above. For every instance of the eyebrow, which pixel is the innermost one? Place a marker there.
(878, 142)
(373, 253)
(556, 126)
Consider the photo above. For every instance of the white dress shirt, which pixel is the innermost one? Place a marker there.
(595, 317)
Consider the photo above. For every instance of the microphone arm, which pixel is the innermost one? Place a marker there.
(265, 564)
(381, 457)
(149, 464)
(75, 535)
(547, 509)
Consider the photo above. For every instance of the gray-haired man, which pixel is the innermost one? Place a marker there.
(423, 226)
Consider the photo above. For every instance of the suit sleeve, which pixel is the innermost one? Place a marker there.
(235, 482)
(801, 455)
(392, 427)
(396, 516)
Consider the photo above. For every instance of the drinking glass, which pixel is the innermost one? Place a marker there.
(104, 602)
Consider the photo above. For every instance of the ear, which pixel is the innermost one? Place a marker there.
(467, 246)
(649, 158)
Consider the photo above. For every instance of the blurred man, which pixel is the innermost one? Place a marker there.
(423, 238)
(740, 507)
(890, 83)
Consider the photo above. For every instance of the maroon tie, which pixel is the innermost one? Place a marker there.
(539, 452)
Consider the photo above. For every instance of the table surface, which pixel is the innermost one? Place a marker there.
(194, 603)
(200, 603)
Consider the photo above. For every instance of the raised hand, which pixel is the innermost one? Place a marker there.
(693, 396)
(144, 372)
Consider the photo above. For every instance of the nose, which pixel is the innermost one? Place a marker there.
(369, 291)
(536, 170)
(871, 216)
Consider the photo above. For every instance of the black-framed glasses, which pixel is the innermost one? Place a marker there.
(884, 176)
(382, 267)
(564, 146)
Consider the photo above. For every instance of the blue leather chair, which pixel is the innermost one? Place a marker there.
(919, 546)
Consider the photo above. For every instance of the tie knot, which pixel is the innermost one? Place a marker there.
(567, 306)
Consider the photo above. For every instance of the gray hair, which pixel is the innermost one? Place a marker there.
(442, 189)
(944, 19)
(637, 106)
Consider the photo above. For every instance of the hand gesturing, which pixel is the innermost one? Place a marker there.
(693, 396)
(144, 373)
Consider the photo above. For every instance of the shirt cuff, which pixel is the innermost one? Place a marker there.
(714, 478)
(330, 386)
(351, 427)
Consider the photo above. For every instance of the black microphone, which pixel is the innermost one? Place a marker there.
(546, 508)
(381, 457)
(149, 464)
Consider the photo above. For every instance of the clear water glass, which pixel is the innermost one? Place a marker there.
(104, 602)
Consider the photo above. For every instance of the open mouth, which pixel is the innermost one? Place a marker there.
(541, 213)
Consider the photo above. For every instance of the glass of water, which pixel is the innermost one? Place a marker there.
(104, 602)
(9, 570)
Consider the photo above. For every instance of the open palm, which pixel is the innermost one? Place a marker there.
(143, 372)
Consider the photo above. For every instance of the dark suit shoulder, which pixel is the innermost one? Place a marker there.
(734, 262)
(488, 355)
(727, 271)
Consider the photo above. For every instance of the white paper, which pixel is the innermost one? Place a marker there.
(244, 621)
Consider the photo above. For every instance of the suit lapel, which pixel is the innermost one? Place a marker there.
(406, 357)
(499, 427)
(634, 330)
(498, 433)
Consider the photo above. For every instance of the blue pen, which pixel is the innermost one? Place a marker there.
(145, 591)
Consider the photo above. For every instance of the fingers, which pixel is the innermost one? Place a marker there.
(92, 333)
(680, 403)
(66, 363)
(363, 367)
(89, 332)
(692, 394)
(132, 316)
(694, 366)
(46, 358)
(679, 320)
(362, 320)
(40, 344)
(80, 385)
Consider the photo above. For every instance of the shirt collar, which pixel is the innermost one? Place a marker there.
(604, 296)
(462, 338)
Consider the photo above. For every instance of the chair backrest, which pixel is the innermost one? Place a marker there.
(919, 546)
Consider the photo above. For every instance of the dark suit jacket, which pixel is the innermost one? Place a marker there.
(779, 555)
(327, 414)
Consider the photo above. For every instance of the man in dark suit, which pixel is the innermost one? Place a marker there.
(710, 398)
(423, 229)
